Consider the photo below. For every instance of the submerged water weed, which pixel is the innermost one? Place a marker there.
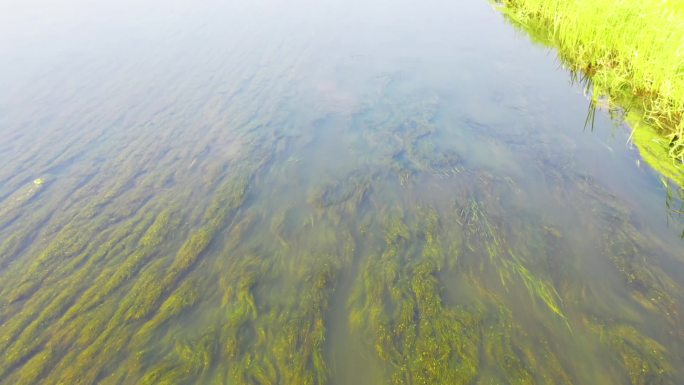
(226, 271)
(24, 338)
(271, 340)
(397, 303)
(11, 205)
(500, 353)
(480, 234)
(536, 287)
(650, 286)
(45, 305)
(637, 259)
(185, 296)
(406, 139)
(643, 359)
(350, 193)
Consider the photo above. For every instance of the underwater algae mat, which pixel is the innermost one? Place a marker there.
(253, 267)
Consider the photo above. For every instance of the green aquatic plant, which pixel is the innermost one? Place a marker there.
(650, 287)
(296, 335)
(535, 286)
(480, 233)
(500, 352)
(34, 368)
(635, 257)
(643, 359)
(402, 312)
(182, 298)
(163, 225)
(204, 265)
(23, 331)
(29, 341)
(10, 206)
(11, 245)
(350, 192)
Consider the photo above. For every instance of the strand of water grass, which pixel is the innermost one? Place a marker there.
(632, 51)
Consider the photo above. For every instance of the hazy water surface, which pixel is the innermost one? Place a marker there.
(307, 192)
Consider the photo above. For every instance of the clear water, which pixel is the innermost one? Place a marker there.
(307, 192)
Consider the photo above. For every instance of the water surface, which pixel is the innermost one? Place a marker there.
(307, 192)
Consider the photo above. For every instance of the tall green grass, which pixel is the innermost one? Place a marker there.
(631, 50)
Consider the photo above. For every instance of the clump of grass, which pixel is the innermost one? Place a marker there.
(631, 50)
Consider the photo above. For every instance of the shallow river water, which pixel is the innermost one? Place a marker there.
(319, 192)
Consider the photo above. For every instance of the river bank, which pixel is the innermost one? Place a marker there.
(631, 52)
